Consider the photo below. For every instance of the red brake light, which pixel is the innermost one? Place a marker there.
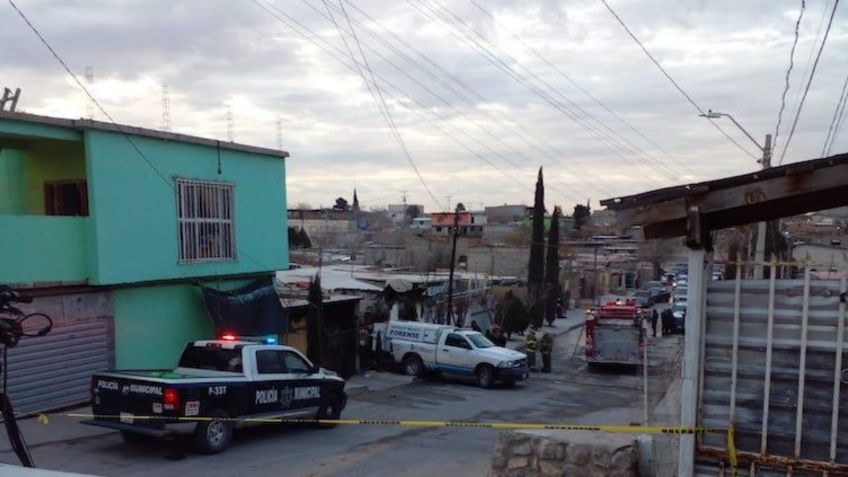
(171, 398)
(228, 337)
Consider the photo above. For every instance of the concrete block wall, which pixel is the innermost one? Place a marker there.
(564, 453)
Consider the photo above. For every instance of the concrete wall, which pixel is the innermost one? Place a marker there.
(500, 261)
(565, 453)
(134, 210)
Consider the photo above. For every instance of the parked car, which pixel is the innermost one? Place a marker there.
(659, 294)
(643, 298)
(678, 311)
(214, 382)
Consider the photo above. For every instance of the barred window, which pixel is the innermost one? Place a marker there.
(205, 217)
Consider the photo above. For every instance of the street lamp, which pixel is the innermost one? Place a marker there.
(765, 161)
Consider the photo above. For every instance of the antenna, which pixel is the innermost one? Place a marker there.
(279, 133)
(166, 109)
(89, 79)
(403, 194)
(11, 98)
(230, 133)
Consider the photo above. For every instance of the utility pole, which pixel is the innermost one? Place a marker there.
(595, 288)
(452, 265)
(759, 254)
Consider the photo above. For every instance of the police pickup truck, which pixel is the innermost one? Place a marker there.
(214, 382)
(424, 347)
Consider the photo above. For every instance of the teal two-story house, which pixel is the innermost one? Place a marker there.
(114, 229)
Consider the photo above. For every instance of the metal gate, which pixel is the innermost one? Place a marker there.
(53, 371)
(774, 370)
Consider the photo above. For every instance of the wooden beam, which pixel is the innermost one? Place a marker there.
(798, 191)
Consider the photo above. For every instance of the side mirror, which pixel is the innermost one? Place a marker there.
(315, 369)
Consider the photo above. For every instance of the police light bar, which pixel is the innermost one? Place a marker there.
(253, 339)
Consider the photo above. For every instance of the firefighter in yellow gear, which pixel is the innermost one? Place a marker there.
(532, 346)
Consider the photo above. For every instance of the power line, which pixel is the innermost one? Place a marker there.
(809, 82)
(449, 104)
(579, 116)
(388, 113)
(105, 113)
(583, 90)
(339, 56)
(673, 82)
(533, 140)
(836, 121)
(789, 71)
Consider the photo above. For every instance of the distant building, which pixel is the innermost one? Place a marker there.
(470, 224)
(325, 226)
(401, 214)
(507, 214)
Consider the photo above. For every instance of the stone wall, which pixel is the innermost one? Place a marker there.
(564, 453)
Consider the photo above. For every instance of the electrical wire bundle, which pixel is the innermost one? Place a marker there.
(11, 331)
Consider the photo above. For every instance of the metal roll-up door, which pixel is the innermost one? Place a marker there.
(53, 371)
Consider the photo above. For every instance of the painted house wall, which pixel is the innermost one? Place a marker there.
(43, 249)
(50, 161)
(26, 168)
(153, 323)
(12, 182)
(134, 209)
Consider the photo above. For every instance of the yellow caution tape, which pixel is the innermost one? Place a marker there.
(628, 429)
(731, 449)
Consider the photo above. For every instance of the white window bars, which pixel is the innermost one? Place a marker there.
(205, 221)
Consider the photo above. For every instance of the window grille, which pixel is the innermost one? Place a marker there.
(205, 220)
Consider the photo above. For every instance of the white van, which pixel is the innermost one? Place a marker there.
(422, 347)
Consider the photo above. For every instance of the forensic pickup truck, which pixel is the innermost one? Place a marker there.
(423, 348)
(214, 382)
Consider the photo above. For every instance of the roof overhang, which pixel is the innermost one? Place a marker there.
(48, 127)
(769, 194)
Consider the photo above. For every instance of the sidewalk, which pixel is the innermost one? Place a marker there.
(59, 428)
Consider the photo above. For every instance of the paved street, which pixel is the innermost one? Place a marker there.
(570, 394)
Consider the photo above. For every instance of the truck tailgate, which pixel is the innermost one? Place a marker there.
(114, 395)
(617, 344)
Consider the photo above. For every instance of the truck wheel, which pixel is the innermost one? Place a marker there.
(214, 435)
(412, 365)
(330, 410)
(485, 376)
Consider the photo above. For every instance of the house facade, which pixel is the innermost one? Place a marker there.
(114, 229)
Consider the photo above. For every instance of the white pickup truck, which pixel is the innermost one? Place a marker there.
(424, 347)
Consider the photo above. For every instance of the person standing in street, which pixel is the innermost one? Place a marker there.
(654, 317)
(531, 349)
(546, 347)
(666, 319)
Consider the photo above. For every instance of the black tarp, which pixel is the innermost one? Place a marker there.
(253, 310)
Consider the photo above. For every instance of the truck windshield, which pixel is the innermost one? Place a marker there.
(479, 340)
(218, 359)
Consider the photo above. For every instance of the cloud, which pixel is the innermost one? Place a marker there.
(457, 112)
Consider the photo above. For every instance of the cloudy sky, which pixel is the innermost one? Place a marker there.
(482, 92)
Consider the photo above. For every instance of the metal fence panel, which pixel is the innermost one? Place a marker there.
(787, 366)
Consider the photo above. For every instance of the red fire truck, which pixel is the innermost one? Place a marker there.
(616, 334)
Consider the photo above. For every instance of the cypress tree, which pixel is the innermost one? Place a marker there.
(315, 322)
(536, 267)
(552, 268)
